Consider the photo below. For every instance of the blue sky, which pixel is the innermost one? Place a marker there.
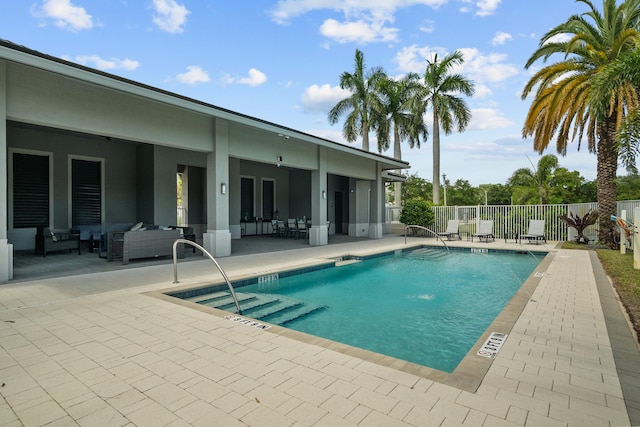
(280, 61)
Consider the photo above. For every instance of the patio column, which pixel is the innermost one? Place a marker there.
(217, 239)
(319, 232)
(376, 206)
(6, 249)
(359, 207)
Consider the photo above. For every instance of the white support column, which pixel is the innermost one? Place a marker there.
(636, 238)
(6, 249)
(217, 239)
(623, 234)
(376, 205)
(319, 233)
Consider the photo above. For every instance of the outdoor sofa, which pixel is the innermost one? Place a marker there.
(143, 243)
(48, 239)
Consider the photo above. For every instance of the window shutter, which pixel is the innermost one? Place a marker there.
(86, 192)
(30, 190)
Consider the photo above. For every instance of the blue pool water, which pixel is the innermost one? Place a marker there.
(425, 309)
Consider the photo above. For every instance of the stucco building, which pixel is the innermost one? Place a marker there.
(80, 145)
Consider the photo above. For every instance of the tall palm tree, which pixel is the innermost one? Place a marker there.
(397, 112)
(623, 72)
(561, 106)
(440, 94)
(362, 85)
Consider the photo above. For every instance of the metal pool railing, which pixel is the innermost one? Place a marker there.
(425, 229)
(204, 251)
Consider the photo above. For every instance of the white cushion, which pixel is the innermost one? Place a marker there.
(136, 227)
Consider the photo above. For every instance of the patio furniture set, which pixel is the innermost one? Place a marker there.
(535, 232)
(118, 241)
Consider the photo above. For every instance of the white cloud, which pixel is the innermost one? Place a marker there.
(358, 31)
(107, 64)
(484, 7)
(193, 75)
(560, 38)
(254, 78)
(487, 7)
(170, 16)
(501, 38)
(286, 10)
(428, 26)
(66, 15)
(487, 118)
(320, 99)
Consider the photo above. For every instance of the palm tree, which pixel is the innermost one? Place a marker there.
(362, 86)
(397, 111)
(561, 106)
(449, 110)
(623, 72)
(533, 186)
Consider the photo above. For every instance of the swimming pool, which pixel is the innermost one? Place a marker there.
(426, 306)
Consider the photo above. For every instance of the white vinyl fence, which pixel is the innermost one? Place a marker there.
(512, 220)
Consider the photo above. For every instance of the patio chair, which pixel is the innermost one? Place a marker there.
(485, 231)
(535, 232)
(453, 230)
(302, 229)
(292, 229)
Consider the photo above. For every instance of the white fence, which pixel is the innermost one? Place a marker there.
(511, 220)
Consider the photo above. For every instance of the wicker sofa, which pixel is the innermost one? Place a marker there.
(129, 245)
(48, 240)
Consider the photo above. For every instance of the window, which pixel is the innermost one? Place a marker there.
(268, 199)
(86, 192)
(30, 190)
(246, 197)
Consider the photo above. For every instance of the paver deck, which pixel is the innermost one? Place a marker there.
(97, 349)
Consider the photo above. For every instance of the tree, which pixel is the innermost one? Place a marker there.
(531, 186)
(561, 106)
(396, 113)
(629, 187)
(449, 111)
(362, 85)
(417, 212)
(416, 187)
(461, 193)
(623, 72)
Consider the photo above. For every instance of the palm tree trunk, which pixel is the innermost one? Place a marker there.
(607, 169)
(436, 158)
(398, 156)
(365, 136)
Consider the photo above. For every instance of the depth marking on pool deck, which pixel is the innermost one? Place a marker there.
(268, 278)
(247, 322)
(492, 345)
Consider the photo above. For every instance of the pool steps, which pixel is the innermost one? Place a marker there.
(426, 253)
(276, 309)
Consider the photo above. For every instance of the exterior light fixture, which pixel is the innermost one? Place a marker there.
(223, 188)
(324, 194)
(278, 161)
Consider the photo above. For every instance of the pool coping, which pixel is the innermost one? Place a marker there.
(467, 376)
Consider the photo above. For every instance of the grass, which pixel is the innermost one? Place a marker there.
(625, 278)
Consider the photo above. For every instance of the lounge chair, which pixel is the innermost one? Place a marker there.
(302, 229)
(452, 230)
(485, 231)
(536, 231)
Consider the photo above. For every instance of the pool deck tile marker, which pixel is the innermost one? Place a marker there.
(138, 359)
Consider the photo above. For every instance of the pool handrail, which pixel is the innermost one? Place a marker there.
(204, 251)
(426, 229)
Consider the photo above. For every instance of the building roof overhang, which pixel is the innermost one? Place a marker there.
(23, 55)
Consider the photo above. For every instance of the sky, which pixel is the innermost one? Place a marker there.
(281, 61)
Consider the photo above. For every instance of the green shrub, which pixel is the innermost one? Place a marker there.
(417, 212)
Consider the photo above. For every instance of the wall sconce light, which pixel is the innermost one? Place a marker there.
(278, 161)
(223, 188)
(324, 194)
